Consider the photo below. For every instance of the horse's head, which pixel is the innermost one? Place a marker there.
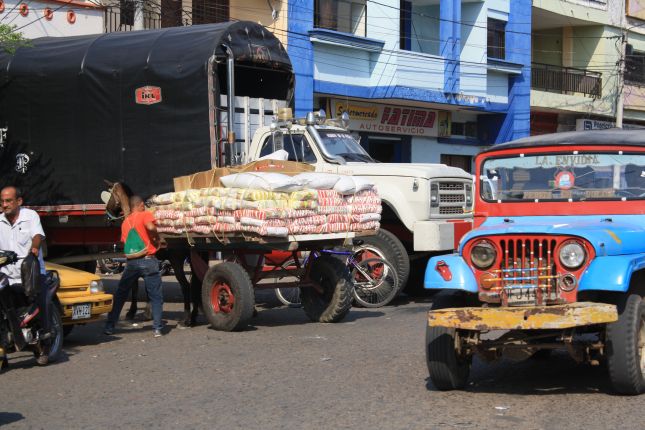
(118, 200)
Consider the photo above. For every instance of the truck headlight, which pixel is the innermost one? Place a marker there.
(96, 287)
(469, 195)
(572, 254)
(434, 195)
(483, 254)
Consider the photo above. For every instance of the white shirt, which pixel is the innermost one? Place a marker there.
(17, 238)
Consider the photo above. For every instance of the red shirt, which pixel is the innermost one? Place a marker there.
(138, 221)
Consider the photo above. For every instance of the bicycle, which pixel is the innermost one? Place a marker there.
(375, 280)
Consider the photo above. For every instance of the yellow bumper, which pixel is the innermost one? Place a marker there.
(524, 318)
(100, 304)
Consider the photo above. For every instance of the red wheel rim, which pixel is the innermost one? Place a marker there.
(222, 298)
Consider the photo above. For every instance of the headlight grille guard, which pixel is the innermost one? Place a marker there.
(530, 265)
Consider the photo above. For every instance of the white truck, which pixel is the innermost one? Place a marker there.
(426, 207)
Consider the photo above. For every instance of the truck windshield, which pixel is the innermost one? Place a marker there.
(564, 176)
(344, 145)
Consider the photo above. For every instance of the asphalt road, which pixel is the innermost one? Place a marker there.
(288, 373)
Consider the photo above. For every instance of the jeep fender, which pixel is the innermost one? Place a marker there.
(449, 272)
(611, 273)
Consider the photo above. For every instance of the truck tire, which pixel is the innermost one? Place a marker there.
(626, 347)
(227, 297)
(393, 251)
(448, 370)
(335, 300)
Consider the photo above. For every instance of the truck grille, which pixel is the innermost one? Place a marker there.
(452, 199)
(451, 186)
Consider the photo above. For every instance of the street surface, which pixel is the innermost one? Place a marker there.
(288, 373)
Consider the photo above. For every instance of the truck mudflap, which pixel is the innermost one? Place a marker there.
(565, 316)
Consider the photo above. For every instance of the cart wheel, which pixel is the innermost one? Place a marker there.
(331, 299)
(227, 295)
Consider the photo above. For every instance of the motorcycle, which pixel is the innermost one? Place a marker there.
(23, 308)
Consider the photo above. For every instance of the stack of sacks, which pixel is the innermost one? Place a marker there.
(272, 204)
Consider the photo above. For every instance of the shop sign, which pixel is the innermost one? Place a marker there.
(368, 117)
(593, 124)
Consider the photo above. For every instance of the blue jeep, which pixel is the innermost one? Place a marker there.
(556, 259)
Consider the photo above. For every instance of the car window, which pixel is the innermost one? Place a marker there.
(295, 144)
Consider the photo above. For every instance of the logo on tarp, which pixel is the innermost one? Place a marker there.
(22, 160)
(147, 95)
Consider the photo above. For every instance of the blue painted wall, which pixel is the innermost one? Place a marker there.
(516, 122)
(300, 20)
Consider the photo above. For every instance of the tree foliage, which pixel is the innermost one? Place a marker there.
(10, 39)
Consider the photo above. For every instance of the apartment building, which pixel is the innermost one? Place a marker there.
(576, 54)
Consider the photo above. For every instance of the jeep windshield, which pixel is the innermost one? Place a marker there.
(344, 145)
(573, 176)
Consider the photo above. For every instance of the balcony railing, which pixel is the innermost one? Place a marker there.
(117, 19)
(566, 80)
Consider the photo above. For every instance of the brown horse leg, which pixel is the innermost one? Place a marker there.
(177, 259)
(133, 301)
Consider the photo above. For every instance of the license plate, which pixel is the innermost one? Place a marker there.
(83, 311)
(521, 296)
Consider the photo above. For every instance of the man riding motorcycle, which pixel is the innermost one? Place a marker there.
(21, 232)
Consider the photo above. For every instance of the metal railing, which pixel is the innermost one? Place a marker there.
(565, 80)
(115, 20)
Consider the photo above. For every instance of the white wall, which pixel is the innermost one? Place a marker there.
(428, 150)
(89, 20)
(473, 49)
(497, 87)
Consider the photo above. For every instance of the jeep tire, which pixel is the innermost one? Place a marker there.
(626, 347)
(448, 369)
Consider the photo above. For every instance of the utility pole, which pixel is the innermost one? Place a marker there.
(138, 15)
(621, 72)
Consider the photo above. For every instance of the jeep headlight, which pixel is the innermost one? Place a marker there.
(572, 254)
(96, 287)
(483, 254)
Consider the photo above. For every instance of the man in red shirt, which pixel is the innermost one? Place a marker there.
(139, 234)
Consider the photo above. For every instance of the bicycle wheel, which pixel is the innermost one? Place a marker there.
(289, 296)
(375, 282)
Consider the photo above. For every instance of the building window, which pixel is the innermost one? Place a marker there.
(466, 129)
(171, 13)
(210, 11)
(496, 38)
(419, 26)
(126, 12)
(634, 67)
(347, 16)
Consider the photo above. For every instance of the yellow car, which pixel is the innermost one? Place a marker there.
(81, 296)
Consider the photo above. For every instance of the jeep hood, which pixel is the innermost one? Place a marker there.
(617, 234)
(415, 170)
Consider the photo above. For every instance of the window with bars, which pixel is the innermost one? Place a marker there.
(210, 11)
(496, 38)
(347, 16)
(635, 67)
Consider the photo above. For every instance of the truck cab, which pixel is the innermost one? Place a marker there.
(557, 259)
(426, 207)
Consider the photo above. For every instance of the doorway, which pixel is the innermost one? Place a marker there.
(387, 149)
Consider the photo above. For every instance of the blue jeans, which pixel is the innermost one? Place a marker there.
(148, 268)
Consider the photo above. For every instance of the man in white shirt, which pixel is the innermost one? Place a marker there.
(22, 233)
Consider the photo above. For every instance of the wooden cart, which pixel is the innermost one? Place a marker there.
(231, 266)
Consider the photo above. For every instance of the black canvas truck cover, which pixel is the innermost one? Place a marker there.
(130, 106)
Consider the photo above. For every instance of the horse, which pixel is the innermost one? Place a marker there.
(118, 207)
